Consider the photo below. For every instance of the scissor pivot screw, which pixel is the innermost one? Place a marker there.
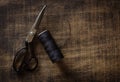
(31, 32)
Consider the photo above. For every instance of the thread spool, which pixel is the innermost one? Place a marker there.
(50, 46)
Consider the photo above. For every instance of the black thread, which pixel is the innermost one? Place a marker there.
(50, 46)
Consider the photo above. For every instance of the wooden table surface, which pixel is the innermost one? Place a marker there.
(87, 31)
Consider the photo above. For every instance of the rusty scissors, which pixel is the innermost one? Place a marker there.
(25, 58)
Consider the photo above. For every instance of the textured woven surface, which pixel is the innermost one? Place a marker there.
(88, 32)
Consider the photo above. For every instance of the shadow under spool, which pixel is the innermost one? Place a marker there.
(50, 46)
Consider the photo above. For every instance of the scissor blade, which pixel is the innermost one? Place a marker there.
(36, 24)
(39, 18)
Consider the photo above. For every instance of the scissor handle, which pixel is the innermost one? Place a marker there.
(18, 63)
(32, 65)
(24, 60)
(32, 61)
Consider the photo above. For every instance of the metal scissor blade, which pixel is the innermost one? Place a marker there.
(39, 18)
(36, 24)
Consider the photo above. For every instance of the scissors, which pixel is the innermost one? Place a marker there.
(25, 58)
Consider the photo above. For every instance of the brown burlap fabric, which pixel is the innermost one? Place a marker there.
(87, 31)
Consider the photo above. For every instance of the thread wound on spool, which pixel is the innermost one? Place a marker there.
(50, 46)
